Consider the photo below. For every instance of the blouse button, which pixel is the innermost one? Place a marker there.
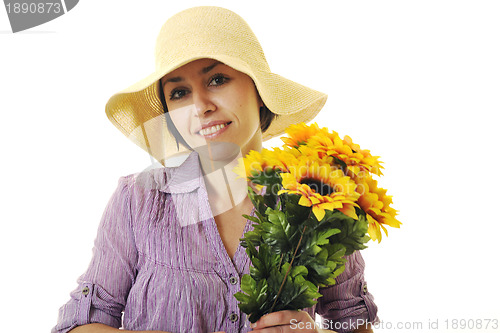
(85, 291)
(233, 280)
(233, 317)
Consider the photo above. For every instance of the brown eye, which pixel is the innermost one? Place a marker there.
(218, 80)
(178, 94)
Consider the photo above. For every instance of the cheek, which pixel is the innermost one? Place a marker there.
(254, 111)
(249, 105)
(180, 118)
(177, 122)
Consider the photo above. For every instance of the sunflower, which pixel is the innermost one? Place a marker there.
(280, 159)
(314, 154)
(376, 204)
(345, 152)
(300, 133)
(258, 161)
(367, 160)
(253, 161)
(320, 186)
(328, 173)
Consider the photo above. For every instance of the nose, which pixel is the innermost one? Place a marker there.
(203, 102)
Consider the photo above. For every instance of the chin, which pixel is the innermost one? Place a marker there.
(219, 151)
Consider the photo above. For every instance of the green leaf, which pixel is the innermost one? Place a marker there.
(244, 298)
(248, 284)
(352, 232)
(298, 270)
(277, 231)
(295, 214)
(272, 180)
(252, 237)
(262, 292)
(322, 256)
(251, 218)
(321, 270)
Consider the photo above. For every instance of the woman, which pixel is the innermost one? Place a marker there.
(167, 251)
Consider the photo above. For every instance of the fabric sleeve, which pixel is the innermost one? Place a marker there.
(347, 303)
(103, 289)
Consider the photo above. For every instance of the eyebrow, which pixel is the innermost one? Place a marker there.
(204, 70)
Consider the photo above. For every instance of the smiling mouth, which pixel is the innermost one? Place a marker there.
(213, 129)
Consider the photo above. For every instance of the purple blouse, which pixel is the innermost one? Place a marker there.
(159, 264)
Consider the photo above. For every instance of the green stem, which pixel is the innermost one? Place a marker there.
(281, 259)
(288, 270)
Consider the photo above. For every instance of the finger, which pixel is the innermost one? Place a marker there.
(274, 329)
(276, 319)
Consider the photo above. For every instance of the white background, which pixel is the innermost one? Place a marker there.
(416, 82)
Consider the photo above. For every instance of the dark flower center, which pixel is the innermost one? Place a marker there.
(318, 186)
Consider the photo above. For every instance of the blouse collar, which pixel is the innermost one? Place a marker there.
(184, 178)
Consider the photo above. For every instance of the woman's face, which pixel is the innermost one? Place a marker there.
(214, 105)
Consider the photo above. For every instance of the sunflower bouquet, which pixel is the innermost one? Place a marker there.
(316, 202)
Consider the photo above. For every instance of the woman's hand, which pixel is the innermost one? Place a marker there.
(287, 321)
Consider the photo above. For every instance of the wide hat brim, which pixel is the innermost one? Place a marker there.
(138, 112)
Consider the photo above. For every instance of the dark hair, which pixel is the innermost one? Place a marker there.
(266, 118)
(170, 124)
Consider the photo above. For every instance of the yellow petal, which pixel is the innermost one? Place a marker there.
(304, 201)
(349, 211)
(314, 200)
(374, 229)
(392, 222)
(328, 205)
(385, 231)
(318, 212)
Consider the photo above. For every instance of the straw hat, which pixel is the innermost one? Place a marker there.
(206, 32)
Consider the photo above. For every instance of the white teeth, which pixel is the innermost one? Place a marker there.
(213, 129)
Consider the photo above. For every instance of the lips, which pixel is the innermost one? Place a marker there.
(212, 126)
(213, 132)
